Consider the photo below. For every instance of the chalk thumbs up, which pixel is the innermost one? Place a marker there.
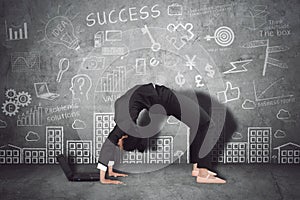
(229, 94)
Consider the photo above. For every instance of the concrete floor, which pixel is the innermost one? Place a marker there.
(174, 182)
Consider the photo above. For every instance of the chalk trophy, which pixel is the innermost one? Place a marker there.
(80, 87)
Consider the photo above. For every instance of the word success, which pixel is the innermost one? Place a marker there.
(123, 15)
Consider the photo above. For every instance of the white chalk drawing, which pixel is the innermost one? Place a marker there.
(63, 65)
(179, 79)
(155, 45)
(170, 60)
(140, 66)
(81, 85)
(10, 93)
(190, 61)
(11, 154)
(229, 94)
(98, 39)
(3, 124)
(34, 155)
(236, 152)
(283, 114)
(114, 51)
(93, 63)
(257, 17)
(161, 150)
(103, 124)
(10, 108)
(223, 36)
(136, 157)
(273, 49)
(79, 151)
(248, 104)
(259, 144)
(25, 61)
(32, 136)
(279, 134)
(237, 136)
(184, 31)
(54, 143)
(172, 120)
(23, 99)
(179, 154)
(238, 66)
(114, 81)
(78, 124)
(16, 32)
(198, 81)
(42, 91)
(154, 62)
(60, 30)
(32, 117)
(288, 153)
(113, 35)
(209, 70)
(259, 97)
(175, 9)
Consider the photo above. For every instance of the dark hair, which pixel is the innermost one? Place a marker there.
(131, 143)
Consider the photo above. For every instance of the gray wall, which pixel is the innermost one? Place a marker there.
(242, 53)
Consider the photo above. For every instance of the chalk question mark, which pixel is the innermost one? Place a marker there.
(81, 81)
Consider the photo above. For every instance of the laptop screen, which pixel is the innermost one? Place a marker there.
(65, 166)
(41, 88)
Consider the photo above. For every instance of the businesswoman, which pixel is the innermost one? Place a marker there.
(161, 102)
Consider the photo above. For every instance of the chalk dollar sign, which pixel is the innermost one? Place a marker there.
(179, 79)
(209, 70)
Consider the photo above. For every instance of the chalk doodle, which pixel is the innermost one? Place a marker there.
(283, 114)
(60, 30)
(288, 153)
(179, 79)
(23, 99)
(140, 66)
(113, 35)
(114, 81)
(256, 17)
(209, 70)
(114, 51)
(42, 91)
(279, 134)
(248, 104)
(32, 136)
(259, 97)
(223, 36)
(229, 94)
(238, 66)
(81, 84)
(25, 61)
(237, 136)
(175, 9)
(78, 124)
(32, 117)
(93, 63)
(273, 49)
(179, 154)
(198, 81)
(3, 124)
(10, 108)
(185, 34)
(154, 62)
(155, 45)
(19, 32)
(63, 65)
(98, 39)
(10, 94)
(190, 62)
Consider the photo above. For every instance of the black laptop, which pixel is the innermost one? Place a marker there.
(75, 176)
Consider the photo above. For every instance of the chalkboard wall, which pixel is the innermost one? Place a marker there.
(64, 63)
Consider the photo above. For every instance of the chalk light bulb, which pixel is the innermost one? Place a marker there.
(60, 30)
